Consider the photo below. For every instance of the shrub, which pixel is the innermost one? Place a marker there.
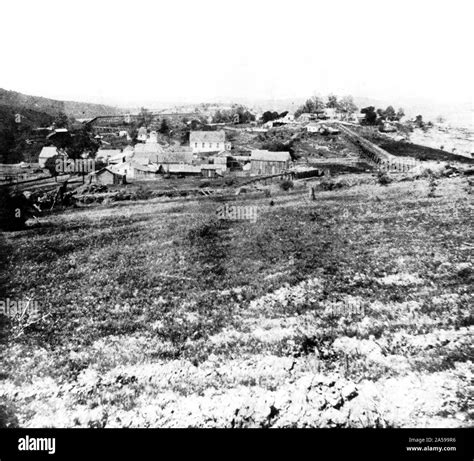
(141, 194)
(432, 185)
(328, 184)
(383, 178)
(286, 185)
(8, 418)
(207, 231)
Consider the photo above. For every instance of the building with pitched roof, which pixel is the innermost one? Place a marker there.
(106, 176)
(133, 170)
(183, 169)
(207, 141)
(46, 153)
(264, 162)
(176, 154)
(148, 152)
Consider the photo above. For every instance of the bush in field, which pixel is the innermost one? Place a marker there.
(7, 416)
(286, 185)
(202, 231)
(383, 178)
(208, 251)
(432, 185)
(329, 184)
(276, 146)
(141, 194)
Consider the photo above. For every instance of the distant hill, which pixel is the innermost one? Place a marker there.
(20, 101)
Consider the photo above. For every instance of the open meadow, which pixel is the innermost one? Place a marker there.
(354, 309)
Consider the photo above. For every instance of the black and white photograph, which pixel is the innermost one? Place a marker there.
(247, 214)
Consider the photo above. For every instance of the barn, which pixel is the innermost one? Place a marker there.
(264, 162)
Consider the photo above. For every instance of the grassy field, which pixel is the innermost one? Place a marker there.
(351, 310)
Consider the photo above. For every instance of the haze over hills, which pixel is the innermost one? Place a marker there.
(458, 114)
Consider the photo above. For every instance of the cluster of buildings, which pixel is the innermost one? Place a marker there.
(326, 114)
(207, 155)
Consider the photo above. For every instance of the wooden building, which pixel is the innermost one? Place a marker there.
(107, 177)
(264, 162)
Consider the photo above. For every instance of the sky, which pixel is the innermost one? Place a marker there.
(139, 52)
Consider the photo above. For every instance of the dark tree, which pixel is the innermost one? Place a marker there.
(51, 166)
(164, 127)
(390, 113)
(419, 121)
(145, 117)
(332, 103)
(268, 116)
(61, 120)
(81, 143)
(370, 115)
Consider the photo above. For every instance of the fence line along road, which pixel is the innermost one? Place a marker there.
(378, 155)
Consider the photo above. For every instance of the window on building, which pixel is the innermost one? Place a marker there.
(217, 145)
(210, 144)
(195, 144)
(203, 145)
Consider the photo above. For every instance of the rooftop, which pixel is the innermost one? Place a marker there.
(207, 136)
(49, 151)
(268, 156)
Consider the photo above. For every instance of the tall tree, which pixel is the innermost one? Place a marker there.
(347, 106)
(164, 127)
(268, 116)
(51, 166)
(145, 117)
(400, 114)
(313, 105)
(370, 115)
(332, 103)
(61, 120)
(390, 113)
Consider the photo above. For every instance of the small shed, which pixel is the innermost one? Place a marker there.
(106, 177)
(213, 170)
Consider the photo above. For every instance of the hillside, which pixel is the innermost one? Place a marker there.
(74, 109)
(36, 112)
(12, 135)
(350, 310)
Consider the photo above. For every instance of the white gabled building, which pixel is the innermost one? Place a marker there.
(208, 141)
